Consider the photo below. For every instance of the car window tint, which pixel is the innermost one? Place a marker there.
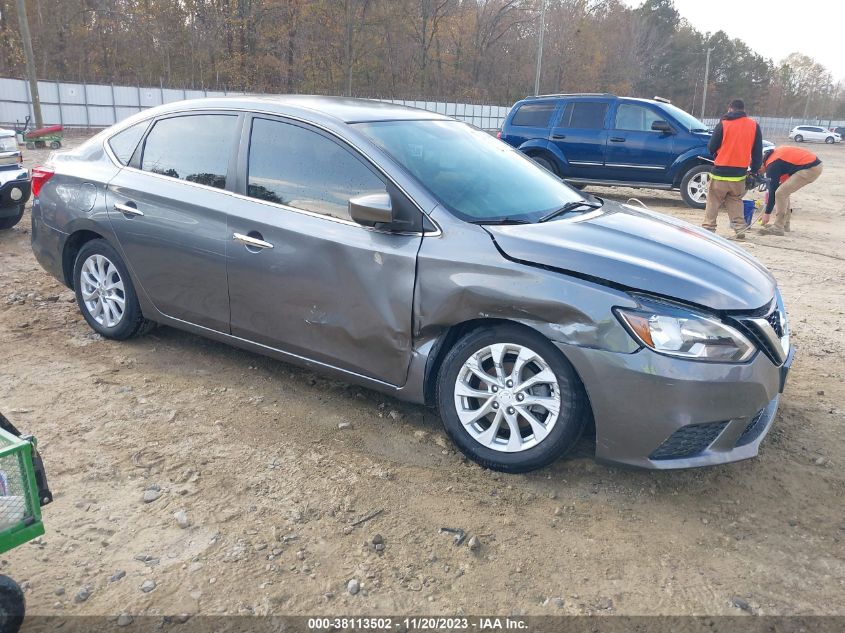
(300, 168)
(635, 117)
(195, 148)
(584, 115)
(533, 115)
(123, 143)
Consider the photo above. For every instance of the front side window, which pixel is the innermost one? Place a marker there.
(477, 177)
(123, 143)
(195, 148)
(533, 115)
(303, 169)
(635, 118)
(584, 115)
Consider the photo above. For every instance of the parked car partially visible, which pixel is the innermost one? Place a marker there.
(839, 129)
(14, 181)
(814, 133)
(602, 139)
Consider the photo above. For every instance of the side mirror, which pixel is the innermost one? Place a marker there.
(371, 209)
(661, 126)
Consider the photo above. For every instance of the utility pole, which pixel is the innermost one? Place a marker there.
(540, 49)
(706, 80)
(30, 63)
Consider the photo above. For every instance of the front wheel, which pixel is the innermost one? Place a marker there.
(12, 605)
(105, 294)
(510, 400)
(829, 140)
(9, 222)
(694, 186)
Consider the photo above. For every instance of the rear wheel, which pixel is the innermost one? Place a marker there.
(55, 145)
(510, 400)
(545, 164)
(798, 138)
(12, 605)
(9, 222)
(694, 186)
(105, 294)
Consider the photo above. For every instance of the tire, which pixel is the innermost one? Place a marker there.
(12, 605)
(829, 140)
(691, 185)
(105, 271)
(545, 164)
(55, 145)
(30, 145)
(798, 138)
(7, 223)
(497, 449)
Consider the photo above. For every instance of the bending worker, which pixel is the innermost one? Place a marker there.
(737, 143)
(787, 169)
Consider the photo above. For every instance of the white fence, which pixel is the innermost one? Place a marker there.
(779, 127)
(99, 105)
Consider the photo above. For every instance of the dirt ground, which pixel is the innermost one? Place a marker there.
(274, 466)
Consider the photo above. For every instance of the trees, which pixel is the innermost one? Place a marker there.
(436, 49)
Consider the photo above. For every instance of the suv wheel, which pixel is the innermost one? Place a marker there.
(510, 400)
(694, 186)
(545, 164)
(7, 223)
(798, 138)
(105, 294)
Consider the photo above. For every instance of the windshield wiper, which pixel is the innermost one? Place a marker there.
(501, 221)
(570, 206)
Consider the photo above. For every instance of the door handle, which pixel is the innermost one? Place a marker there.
(128, 209)
(617, 139)
(252, 242)
(558, 137)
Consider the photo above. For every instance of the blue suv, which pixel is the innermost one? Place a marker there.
(602, 139)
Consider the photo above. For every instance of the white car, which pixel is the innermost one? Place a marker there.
(801, 133)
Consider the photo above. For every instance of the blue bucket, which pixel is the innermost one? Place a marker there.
(748, 210)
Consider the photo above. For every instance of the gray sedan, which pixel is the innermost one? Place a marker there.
(418, 256)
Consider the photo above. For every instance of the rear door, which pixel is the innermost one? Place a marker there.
(635, 152)
(168, 211)
(316, 284)
(580, 134)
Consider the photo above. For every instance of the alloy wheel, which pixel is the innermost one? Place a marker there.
(507, 397)
(697, 187)
(102, 289)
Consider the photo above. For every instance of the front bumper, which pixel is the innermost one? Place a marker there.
(658, 412)
(15, 189)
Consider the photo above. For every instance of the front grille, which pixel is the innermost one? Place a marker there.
(774, 321)
(753, 429)
(689, 441)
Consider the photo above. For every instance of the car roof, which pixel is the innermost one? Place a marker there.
(4, 132)
(338, 109)
(588, 96)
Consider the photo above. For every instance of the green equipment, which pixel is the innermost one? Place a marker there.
(23, 490)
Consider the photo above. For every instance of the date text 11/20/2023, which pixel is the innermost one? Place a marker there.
(422, 623)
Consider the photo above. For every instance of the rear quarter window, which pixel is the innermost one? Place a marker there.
(533, 115)
(123, 143)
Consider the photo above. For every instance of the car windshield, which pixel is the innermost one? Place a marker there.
(476, 176)
(686, 119)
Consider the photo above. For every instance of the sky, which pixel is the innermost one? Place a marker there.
(775, 28)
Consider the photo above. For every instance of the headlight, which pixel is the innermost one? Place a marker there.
(685, 334)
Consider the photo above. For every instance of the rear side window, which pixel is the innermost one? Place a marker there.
(300, 168)
(123, 143)
(195, 148)
(533, 115)
(584, 115)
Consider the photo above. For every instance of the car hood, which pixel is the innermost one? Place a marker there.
(645, 251)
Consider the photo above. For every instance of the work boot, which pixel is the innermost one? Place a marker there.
(771, 229)
(739, 236)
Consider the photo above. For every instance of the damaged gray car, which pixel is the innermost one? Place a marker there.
(418, 256)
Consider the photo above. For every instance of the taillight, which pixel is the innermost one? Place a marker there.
(499, 134)
(40, 176)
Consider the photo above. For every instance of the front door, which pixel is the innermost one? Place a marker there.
(305, 278)
(635, 152)
(168, 211)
